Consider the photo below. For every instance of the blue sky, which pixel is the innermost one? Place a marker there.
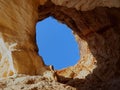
(56, 43)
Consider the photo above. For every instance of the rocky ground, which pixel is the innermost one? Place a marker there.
(23, 82)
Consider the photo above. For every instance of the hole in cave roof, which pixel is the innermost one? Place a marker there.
(56, 43)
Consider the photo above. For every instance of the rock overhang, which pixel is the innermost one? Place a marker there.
(91, 28)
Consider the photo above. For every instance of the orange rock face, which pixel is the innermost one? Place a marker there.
(18, 49)
(97, 32)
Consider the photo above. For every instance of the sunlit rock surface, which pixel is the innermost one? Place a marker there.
(17, 26)
(96, 26)
(26, 82)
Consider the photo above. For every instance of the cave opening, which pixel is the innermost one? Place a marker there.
(56, 43)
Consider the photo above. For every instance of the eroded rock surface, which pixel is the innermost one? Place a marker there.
(17, 26)
(85, 5)
(25, 82)
(95, 26)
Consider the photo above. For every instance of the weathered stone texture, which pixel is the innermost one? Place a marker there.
(17, 28)
(97, 32)
(85, 5)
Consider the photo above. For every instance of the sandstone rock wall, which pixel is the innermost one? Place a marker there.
(97, 32)
(85, 5)
(17, 26)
